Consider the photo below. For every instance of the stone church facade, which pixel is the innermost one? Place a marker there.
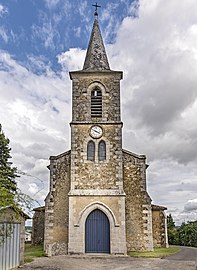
(98, 201)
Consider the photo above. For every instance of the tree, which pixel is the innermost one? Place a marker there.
(8, 174)
(172, 231)
(170, 222)
(187, 234)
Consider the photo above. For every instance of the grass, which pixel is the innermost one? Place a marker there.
(37, 251)
(32, 251)
(157, 253)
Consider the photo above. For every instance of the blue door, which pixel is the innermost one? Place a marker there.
(97, 233)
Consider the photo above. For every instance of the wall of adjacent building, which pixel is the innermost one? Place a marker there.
(160, 238)
(38, 226)
(57, 207)
(138, 216)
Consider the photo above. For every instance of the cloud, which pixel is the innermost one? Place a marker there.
(46, 31)
(77, 31)
(38, 64)
(33, 188)
(158, 54)
(191, 205)
(83, 9)
(3, 10)
(72, 59)
(51, 3)
(4, 34)
(33, 109)
(50, 25)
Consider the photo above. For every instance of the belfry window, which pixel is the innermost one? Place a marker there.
(91, 151)
(96, 102)
(102, 151)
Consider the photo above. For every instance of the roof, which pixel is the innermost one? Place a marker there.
(41, 208)
(96, 57)
(60, 156)
(133, 154)
(17, 210)
(158, 207)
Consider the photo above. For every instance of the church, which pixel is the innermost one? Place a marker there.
(98, 202)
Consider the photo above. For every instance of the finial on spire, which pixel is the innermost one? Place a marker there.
(96, 9)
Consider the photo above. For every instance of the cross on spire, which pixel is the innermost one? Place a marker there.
(96, 9)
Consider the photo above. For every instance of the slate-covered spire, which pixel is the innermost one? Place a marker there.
(96, 57)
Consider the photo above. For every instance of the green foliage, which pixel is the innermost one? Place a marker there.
(172, 231)
(7, 173)
(10, 195)
(170, 222)
(157, 253)
(33, 251)
(187, 234)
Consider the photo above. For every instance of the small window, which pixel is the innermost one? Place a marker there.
(96, 102)
(91, 150)
(102, 151)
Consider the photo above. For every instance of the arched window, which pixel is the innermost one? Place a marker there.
(102, 151)
(96, 102)
(91, 150)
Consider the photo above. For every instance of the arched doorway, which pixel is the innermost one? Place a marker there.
(97, 233)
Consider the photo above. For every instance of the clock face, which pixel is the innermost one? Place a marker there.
(96, 132)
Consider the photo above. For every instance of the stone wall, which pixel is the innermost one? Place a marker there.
(38, 226)
(160, 238)
(106, 174)
(114, 208)
(57, 206)
(138, 214)
(84, 83)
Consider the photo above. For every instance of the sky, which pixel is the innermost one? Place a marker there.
(153, 42)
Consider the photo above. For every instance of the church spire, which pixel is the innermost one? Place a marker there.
(96, 57)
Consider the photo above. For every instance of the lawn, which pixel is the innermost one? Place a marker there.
(157, 253)
(32, 251)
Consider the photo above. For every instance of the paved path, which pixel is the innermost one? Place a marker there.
(107, 263)
(186, 254)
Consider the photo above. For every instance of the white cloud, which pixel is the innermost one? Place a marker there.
(72, 59)
(191, 205)
(3, 34)
(46, 32)
(3, 10)
(157, 53)
(77, 31)
(51, 3)
(33, 112)
(33, 188)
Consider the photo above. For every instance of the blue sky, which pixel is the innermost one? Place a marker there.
(43, 29)
(154, 44)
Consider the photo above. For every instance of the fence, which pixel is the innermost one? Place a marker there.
(9, 245)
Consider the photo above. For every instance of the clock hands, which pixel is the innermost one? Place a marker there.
(96, 131)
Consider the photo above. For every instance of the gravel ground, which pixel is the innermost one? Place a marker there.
(107, 263)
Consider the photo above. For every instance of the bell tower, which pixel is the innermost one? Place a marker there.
(96, 149)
